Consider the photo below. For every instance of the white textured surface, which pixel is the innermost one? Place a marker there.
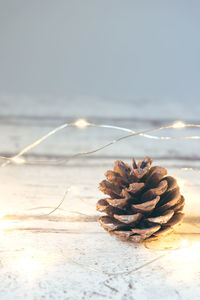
(68, 255)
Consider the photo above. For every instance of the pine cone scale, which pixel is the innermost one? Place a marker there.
(147, 230)
(101, 205)
(180, 205)
(135, 187)
(146, 207)
(110, 223)
(175, 219)
(162, 219)
(119, 203)
(156, 176)
(163, 231)
(158, 191)
(128, 219)
(172, 183)
(171, 199)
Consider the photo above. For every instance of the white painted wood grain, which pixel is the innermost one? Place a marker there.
(76, 256)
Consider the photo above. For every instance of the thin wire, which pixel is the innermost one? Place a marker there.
(36, 143)
(40, 140)
(85, 153)
(134, 270)
(58, 206)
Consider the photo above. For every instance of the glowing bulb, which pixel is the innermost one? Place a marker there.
(31, 263)
(178, 124)
(81, 123)
(7, 224)
(28, 262)
(18, 160)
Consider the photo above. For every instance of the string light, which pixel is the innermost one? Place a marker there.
(178, 124)
(82, 123)
(18, 160)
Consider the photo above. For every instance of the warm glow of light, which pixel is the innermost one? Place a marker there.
(81, 123)
(31, 263)
(184, 243)
(6, 224)
(187, 253)
(178, 124)
(18, 160)
(28, 261)
(185, 261)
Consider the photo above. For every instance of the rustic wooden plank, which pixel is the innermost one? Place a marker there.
(67, 255)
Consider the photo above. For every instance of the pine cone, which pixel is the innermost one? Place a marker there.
(142, 201)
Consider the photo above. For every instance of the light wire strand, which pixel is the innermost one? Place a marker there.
(17, 158)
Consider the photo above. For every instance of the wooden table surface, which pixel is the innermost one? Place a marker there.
(67, 255)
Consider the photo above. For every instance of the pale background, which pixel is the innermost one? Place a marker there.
(129, 63)
(109, 51)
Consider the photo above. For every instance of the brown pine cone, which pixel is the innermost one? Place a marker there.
(142, 201)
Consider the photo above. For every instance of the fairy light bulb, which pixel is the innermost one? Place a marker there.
(81, 123)
(18, 160)
(178, 124)
(7, 224)
(31, 263)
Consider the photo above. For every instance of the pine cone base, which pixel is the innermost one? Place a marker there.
(142, 201)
